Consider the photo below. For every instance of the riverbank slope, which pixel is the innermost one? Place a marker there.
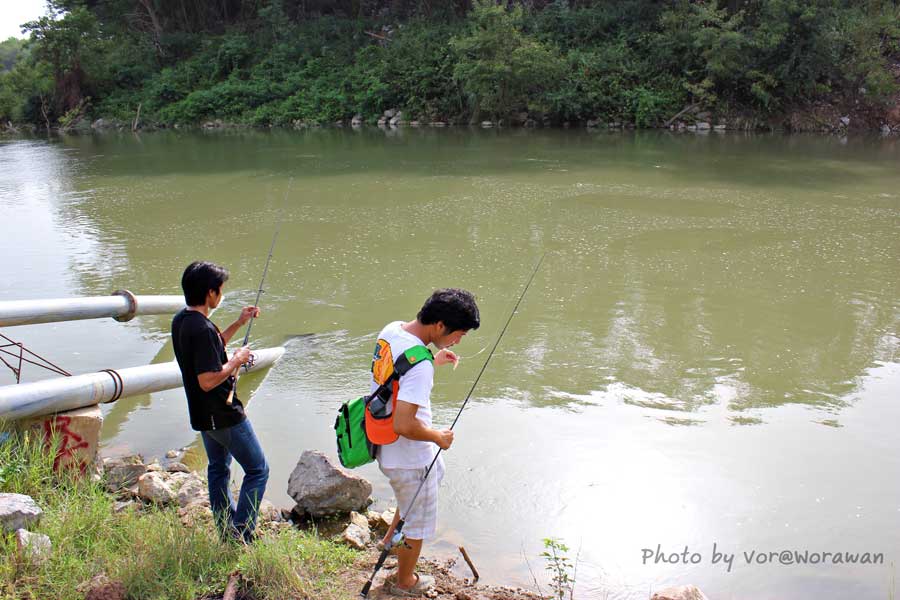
(74, 539)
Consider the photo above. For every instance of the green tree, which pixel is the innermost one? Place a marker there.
(706, 47)
(11, 50)
(419, 63)
(500, 67)
(26, 93)
(72, 45)
(872, 34)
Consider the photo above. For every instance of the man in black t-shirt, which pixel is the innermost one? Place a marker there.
(207, 373)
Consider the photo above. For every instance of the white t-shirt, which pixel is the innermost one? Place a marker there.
(415, 388)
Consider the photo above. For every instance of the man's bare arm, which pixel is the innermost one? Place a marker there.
(407, 425)
(211, 379)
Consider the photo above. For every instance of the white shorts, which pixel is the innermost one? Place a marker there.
(421, 522)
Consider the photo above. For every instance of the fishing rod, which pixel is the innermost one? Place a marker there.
(259, 292)
(398, 538)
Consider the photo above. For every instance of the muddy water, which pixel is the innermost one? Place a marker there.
(709, 354)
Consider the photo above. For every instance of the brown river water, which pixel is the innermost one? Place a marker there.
(708, 356)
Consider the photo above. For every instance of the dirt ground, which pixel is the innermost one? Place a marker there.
(448, 586)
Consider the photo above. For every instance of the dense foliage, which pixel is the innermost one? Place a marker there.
(10, 52)
(275, 62)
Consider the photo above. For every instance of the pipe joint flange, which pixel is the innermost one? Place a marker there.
(132, 305)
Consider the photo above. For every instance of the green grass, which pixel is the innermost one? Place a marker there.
(280, 567)
(150, 550)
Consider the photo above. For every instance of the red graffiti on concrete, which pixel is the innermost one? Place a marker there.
(69, 442)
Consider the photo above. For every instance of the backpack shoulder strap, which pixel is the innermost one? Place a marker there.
(410, 358)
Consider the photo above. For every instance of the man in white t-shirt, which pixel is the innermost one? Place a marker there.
(444, 319)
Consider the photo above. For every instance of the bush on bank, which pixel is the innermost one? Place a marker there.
(280, 61)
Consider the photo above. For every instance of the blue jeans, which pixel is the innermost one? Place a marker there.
(238, 441)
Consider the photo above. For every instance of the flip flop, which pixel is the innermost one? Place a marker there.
(423, 584)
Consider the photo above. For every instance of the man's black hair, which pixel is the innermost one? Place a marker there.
(200, 277)
(453, 307)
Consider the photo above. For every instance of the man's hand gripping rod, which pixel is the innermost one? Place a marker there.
(398, 538)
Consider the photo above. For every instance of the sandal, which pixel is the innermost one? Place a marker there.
(423, 584)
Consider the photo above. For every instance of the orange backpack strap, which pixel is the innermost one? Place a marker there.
(381, 403)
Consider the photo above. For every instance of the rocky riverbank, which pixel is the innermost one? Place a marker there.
(130, 528)
(121, 527)
(824, 117)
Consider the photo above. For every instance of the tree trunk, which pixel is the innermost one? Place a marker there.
(154, 21)
(137, 119)
(185, 21)
(44, 111)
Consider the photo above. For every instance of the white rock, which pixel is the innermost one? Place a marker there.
(356, 537)
(175, 480)
(197, 512)
(845, 121)
(268, 512)
(122, 472)
(177, 467)
(387, 517)
(681, 592)
(358, 519)
(153, 487)
(18, 511)
(171, 454)
(373, 518)
(190, 489)
(396, 119)
(33, 546)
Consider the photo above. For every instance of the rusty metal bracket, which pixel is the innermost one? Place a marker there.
(118, 385)
(19, 358)
(132, 305)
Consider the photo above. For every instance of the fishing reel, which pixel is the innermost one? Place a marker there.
(249, 364)
(399, 539)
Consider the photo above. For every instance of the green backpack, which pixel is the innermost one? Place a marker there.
(354, 449)
(354, 446)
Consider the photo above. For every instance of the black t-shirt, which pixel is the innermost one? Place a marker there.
(199, 349)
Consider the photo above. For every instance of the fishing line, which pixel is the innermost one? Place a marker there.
(470, 356)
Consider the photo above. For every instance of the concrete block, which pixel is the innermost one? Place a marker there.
(77, 434)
